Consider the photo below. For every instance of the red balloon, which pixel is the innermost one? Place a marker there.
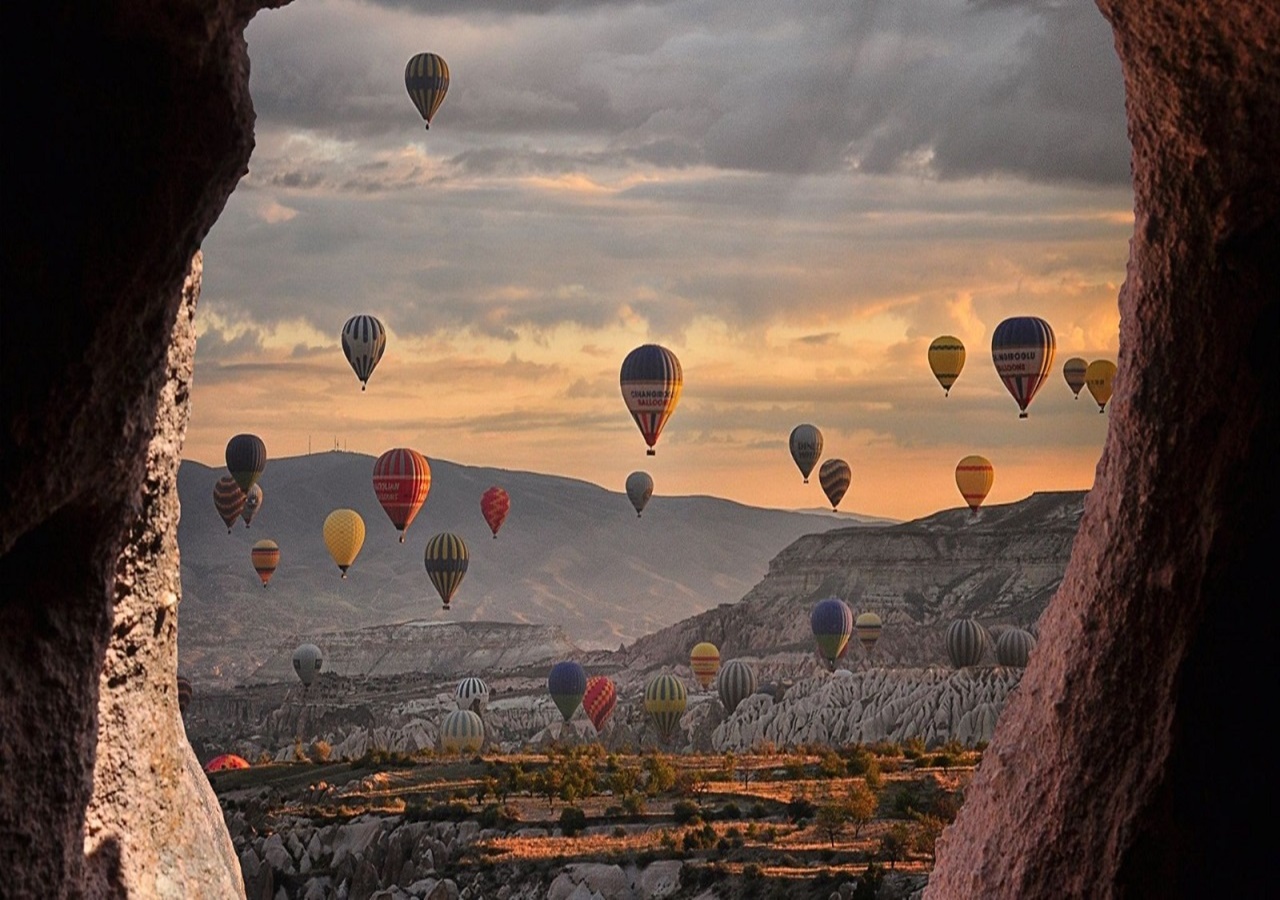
(600, 699)
(401, 481)
(495, 503)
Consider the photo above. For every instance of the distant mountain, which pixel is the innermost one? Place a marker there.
(571, 554)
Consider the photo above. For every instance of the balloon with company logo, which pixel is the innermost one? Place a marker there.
(252, 503)
(599, 700)
(472, 693)
(974, 477)
(265, 556)
(834, 476)
(246, 458)
(651, 380)
(495, 503)
(832, 624)
(1098, 377)
(1073, 370)
(806, 448)
(446, 560)
(307, 660)
(665, 700)
(566, 684)
(228, 500)
(462, 731)
(867, 628)
(704, 660)
(426, 78)
(401, 482)
(946, 359)
(639, 490)
(364, 340)
(1022, 350)
(735, 683)
(344, 536)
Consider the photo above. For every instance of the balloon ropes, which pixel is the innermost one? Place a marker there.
(946, 359)
(462, 731)
(446, 559)
(364, 340)
(665, 699)
(252, 503)
(401, 482)
(567, 684)
(704, 660)
(832, 623)
(1098, 377)
(246, 458)
(228, 500)
(806, 448)
(639, 490)
(344, 536)
(735, 683)
(599, 700)
(1022, 349)
(307, 660)
(974, 477)
(834, 476)
(265, 557)
(495, 503)
(1073, 370)
(426, 78)
(651, 380)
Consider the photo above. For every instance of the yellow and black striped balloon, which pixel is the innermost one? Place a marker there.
(665, 700)
(426, 78)
(446, 561)
(946, 359)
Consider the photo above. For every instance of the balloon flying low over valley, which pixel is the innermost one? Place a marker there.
(603, 177)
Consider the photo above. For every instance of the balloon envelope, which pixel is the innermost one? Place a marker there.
(364, 340)
(834, 476)
(473, 694)
(184, 694)
(307, 661)
(665, 700)
(639, 490)
(806, 448)
(344, 536)
(462, 731)
(252, 503)
(401, 482)
(1073, 371)
(735, 683)
(704, 660)
(265, 556)
(226, 761)
(495, 503)
(566, 684)
(446, 560)
(599, 700)
(426, 78)
(966, 640)
(1098, 377)
(867, 628)
(974, 477)
(1022, 349)
(832, 624)
(946, 359)
(1013, 648)
(651, 381)
(246, 458)
(228, 500)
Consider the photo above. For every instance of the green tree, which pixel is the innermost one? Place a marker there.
(660, 775)
(928, 830)
(832, 817)
(861, 803)
(894, 843)
(572, 821)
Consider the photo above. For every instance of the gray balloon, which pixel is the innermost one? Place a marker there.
(639, 490)
(307, 660)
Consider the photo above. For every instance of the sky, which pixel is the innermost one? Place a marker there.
(795, 198)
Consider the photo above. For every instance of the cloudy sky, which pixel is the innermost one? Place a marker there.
(795, 198)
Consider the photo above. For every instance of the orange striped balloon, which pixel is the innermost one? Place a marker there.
(599, 700)
(974, 477)
(401, 482)
(266, 557)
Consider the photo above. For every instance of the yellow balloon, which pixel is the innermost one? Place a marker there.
(974, 477)
(344, 536)
(704, 660)
(1098, 377)
(946, 359)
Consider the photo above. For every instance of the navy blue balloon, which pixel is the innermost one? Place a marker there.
(832, 623)
(566, 684)
(246, 458)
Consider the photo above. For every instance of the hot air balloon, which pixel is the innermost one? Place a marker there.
(462, 731)
(639, 490)
(344, 536)
(834, 476)
(867, 628)
(651, 380)
(599, 699)
(184, 694)
(704, 660)
(1098, 377)
(266, 557)
(1022, 349)
(401, 482)
(446, 561)
(566, 684)
(806, 448)
(1013, 648)
(426, 78)
(226, 761)
(307, 661)
(946, 359)
(832, 623)
(364, 340)
(966, 640)
(229, 500)
(246, 458)
(1073, 371)
(735, 683)
(974, 477)
(472, 694)
(252, 503)
(495, 503)
(665, 700)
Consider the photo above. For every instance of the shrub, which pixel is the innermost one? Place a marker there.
(321, 751)
(800, 809)
(758, 811)
(633, 804)
(686, 812)
(729, 811)
(831, 765)
(496, 815)
(619, 831)
(572, 821)
(913, 748)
